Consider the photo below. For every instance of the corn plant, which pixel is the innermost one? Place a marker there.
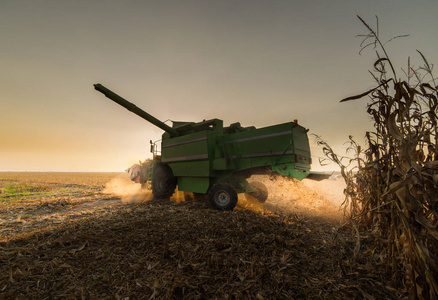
(392, 185)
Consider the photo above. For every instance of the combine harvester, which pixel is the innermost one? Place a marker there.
(207, 158)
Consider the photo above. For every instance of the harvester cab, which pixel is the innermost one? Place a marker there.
(208, 158)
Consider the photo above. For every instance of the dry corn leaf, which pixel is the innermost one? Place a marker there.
(393, 129)
(421, 218)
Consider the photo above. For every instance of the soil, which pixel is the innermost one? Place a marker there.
(99, 236)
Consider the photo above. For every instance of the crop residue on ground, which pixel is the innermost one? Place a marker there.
(83, 243)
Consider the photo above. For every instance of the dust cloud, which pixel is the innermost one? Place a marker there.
(316, 199)
(127, 190)
(131, 192)
(309, 198)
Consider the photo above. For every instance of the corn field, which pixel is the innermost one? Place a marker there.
(392, 185)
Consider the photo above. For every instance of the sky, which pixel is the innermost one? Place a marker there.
(255, 62)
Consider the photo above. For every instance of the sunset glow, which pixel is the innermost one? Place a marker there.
(255, 62)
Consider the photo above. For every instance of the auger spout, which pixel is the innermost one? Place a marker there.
(136, 110)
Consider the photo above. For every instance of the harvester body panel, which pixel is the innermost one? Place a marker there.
(196, 157)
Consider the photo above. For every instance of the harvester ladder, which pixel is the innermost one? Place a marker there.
(150, 174)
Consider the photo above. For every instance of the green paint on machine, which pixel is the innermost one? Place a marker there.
(208, 158)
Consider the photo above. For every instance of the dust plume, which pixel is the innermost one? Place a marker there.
(180, 196)
(127, 190)
(310, 198)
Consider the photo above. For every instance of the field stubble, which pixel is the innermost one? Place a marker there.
(97, 235)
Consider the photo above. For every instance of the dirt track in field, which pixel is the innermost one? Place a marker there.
(92, 236)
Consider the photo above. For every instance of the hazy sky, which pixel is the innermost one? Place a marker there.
(256, 62)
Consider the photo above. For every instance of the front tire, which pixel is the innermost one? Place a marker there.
(163, 181)
(223, 196)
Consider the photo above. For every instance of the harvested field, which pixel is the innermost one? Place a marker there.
(90, 236)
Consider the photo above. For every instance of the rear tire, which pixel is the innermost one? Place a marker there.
(163, 181)
(223, 196)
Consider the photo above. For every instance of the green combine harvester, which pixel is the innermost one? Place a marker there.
(207, 158)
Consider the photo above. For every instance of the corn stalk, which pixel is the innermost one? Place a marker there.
(394, 193)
